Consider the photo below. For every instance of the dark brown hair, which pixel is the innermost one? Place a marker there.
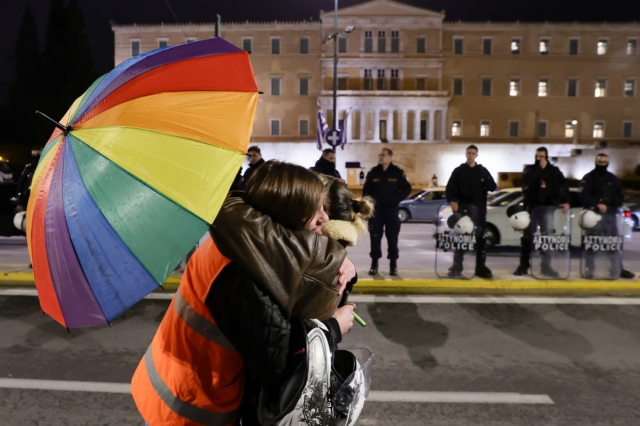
(254, 148)
(472, 147)
(340, 205)
(288, 193)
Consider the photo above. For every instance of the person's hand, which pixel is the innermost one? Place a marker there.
(565, 208)
(345, 274)
(602, 208)
(543, 162)
(454, 206)
(344, 317)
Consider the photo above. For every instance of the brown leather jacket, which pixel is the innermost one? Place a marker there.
(298, 268)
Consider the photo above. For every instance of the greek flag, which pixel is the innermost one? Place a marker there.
(323, 127)
(343, 131)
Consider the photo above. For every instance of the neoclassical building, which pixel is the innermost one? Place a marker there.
(408, 76)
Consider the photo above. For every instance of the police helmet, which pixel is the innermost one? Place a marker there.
(461, 224)
(589, 219)
(519, 217)
(20, 221)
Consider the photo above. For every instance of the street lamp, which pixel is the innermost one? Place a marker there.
(334, 36)
(574, 123)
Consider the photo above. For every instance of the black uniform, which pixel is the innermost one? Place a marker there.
(24, 184)
(602, 187)
(247, 173)
(541, 187)
(468, 186)
(387, 188)
(326, 167)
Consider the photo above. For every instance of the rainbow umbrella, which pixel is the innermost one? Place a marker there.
(136, 171)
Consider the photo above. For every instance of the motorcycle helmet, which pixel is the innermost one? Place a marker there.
(20, 221)
(589, 219)
(519, 217)
(461, 224)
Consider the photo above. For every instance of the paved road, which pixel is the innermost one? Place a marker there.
(583, 359)
(417, 253)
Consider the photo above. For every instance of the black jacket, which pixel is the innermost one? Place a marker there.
(469, 185)
(387, 187)
(544, 187)
(24, 183)
(326, 167)
(600, 188)
(250, 170)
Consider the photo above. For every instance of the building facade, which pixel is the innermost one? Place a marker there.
(407, 76)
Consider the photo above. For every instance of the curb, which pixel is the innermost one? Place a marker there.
(416, 286)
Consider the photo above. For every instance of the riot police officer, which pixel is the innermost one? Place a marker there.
(468, 186)
(602, 190)
(543, 185)
(387, 184)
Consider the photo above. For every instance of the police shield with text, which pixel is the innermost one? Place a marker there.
(546, 197)
(467, 190)
(601, 223)
(456, 241)
(387, 184)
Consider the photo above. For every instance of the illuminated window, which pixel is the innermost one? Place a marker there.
(485, 128)
(598, 129)
(514, 87)
(515, 46)
(601, 88)
(569, 129)
(602, 47)
(629, 88)
(544, 46)
(456, 128)
(632, 46)
(543, 87)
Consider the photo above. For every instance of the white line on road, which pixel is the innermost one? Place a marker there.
(434, 300)
(379, 396)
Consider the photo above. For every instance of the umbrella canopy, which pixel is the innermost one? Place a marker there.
(139, 170)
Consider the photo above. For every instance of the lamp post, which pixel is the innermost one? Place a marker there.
(574, 123)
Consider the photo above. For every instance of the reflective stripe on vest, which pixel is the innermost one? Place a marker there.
(200, 324)
(180, 407)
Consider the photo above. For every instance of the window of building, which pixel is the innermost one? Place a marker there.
(135, 47)
(544, 46)
(421, 45)
(247, 44)
(275, 127)
(456, 128)
(514, 87)
(457, 87)
(368, 42)
(381, 82)
(343, 83)
(515, 46)
(573, 46)
(598, 129)
(367, 80)
(485, 128)
(569, 129)
(601, 88)
(191, 39)
(342, 45)
(542, 129)
(543, 87)
(486, 87)
(395, 79)
(163, 42)
(304, 45)
(572, 87)
(632, 46)
(457, 46)
(513, 129)
(601, 47)
(487, 46)
(627, 129)
(382, 41)
(275, 86)
(421, 83)
(629, 88)
(304, 86)
(275, 46)
(395, 41)
(303, 127)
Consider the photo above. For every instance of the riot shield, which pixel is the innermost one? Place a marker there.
(601, 244)
(455, 243)
(551, 232)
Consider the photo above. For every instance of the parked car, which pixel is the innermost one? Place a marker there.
(633, 204)
(423, 205)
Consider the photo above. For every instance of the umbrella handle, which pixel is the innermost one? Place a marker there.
(64, 129)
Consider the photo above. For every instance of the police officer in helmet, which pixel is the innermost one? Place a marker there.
(387, 184)
(543, 185)
(602, 190)
(468, 186)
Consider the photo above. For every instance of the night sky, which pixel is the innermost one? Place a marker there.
(98, 13)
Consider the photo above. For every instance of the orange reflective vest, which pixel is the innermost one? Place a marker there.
(190, 375)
